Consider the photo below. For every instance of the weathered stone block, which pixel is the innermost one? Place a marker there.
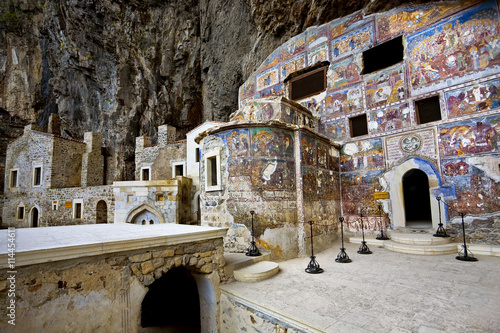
(147, 267)
(157, 262)
(168, 253)
(140, 257)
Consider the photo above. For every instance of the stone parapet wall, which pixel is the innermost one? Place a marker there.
(107, 291)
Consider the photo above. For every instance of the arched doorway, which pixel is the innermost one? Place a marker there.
(34, 217)
(101, 212)
(146, 213)
(172, 304)
(417, 199)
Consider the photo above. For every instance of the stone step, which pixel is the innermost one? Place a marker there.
(421, 249)
(256, 272)
(239, 260)
(418, 239)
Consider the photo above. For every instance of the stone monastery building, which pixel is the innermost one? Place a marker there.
(389, 110)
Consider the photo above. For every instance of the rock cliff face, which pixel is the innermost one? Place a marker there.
(124, 67)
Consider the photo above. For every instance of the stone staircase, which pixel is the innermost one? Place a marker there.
(249, 269)
(416, 241)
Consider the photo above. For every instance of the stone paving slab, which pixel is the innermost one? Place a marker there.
(383, 292)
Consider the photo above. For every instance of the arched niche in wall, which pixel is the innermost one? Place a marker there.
(144, 212)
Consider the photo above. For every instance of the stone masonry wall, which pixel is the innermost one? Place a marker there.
(92, 161)
(170, 198)
(55, 206)
(67, 163)
(158, 157)
(31, 148)
(103, 293)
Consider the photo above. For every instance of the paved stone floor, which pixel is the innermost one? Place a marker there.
(383, 292)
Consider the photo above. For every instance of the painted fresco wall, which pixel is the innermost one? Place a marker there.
(451, 50)
(321, 188)
(259, 167)
(258, 173)
(470, 153)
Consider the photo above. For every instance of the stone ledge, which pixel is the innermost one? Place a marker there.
(41, 245)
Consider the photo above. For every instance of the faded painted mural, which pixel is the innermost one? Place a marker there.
(343, 101)
(344, 72)
(473, 99)
(389, 119)
(362, 155)
(385, 86)
(464, 43)
(411, 18)
(355, 41)
(479, 135)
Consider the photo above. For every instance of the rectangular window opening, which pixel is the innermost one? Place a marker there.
(212, 171)
(20, 213)
(145, 174)
(37, 176)
(383, 55)
(197, 155)
(13, 178)
(359, 126)
(78, 210)
(428, 110)
(308, 84)
(179, 170)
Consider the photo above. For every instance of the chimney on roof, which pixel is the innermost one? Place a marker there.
(54, 127)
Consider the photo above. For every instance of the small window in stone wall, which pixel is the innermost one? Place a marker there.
(359, 126)
(78, 208)
(197, 155)
(160, 197)
(428, 110)
(179, 170)
(37, 176)
(383, 55)
(14, 178)
(308, 84)
(145, 174)
(212, 172)
(55, 204)
(20, 213)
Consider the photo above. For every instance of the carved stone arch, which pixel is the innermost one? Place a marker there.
(34, 217)
(396, 189)
(144, 207)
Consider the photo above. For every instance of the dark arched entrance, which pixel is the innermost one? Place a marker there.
(101, 212)
(172, 304)
(34, 217)
(417, 199)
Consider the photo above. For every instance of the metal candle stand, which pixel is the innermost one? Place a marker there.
(342, 257)
(466, 256)
(363, 249)
(440, 232)
(313, 267)
(253, 251)
(381, 236)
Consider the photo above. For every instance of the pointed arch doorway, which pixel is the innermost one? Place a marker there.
(417, 199)
(34, 217)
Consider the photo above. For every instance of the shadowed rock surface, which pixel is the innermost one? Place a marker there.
(124, 67)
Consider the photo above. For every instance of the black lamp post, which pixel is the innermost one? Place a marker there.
(363, 249)
(381, 236)
(466, 256)
(313, 267)
(342, 257)
(253, 251)
(440, 232)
